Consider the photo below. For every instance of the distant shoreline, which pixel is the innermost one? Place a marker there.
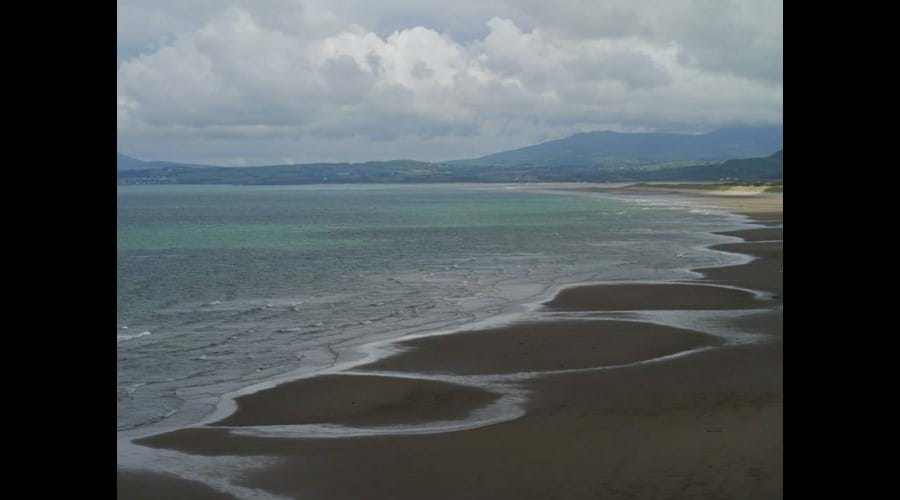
(746, 198)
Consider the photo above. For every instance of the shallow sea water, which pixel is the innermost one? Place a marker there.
(222, 287)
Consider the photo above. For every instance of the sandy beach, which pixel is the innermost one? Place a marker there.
(356, 400)
(152, 486)
(703, 425)
(542, 346)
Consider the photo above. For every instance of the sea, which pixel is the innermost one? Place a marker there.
(224, 287)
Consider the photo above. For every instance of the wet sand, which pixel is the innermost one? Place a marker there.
(763, 234)
(542, 346)
(135, 485)
(764, 273)
(706, 425)
(703, 426)
(659, 296)
(757, 204)
(357, 400)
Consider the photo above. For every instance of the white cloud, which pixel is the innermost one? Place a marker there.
(286, 78)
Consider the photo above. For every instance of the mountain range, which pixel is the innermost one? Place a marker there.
(738, 153)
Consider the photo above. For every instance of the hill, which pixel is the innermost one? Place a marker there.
(407, 171)
(614, 150)
(128, 163)
(747, 169)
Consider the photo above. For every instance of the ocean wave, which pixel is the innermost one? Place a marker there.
(126, 336)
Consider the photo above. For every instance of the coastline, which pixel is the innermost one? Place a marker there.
(646, 429)
(331, 332)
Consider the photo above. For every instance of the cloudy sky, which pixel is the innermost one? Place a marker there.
(250, 82)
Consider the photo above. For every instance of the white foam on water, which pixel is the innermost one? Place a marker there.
(124, 337)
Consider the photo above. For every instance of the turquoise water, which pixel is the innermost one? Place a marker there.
(220, 287)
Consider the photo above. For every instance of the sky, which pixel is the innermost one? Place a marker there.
(255, 82)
